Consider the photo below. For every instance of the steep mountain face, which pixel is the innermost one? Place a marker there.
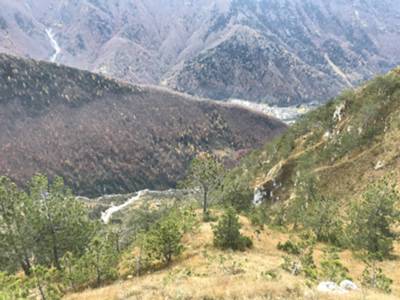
(290, 52)
(343, 146)
(103, 136)
(261, 50)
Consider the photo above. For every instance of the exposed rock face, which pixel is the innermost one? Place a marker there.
(284, 52)
(104, 136)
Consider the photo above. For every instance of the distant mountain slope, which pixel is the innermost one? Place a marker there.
(103, 136)
(261, 50)
(345, 146)
(295, 51)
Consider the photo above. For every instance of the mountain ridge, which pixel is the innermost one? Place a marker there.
(198, 46)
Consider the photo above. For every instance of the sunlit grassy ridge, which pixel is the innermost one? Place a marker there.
(347, 144)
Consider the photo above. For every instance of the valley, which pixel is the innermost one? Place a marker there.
(288, 115)
(304, 205)
(200, 149)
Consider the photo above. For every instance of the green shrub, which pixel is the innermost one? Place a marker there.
(230, 266)
(302, 263)
(188, 219)
(374, 277)
(307, 261)
(260, 216)
(209, 217)
(47, 282)
(278, 215)
(289, 247)
(314, 212)
(163, 241)
(237, 195)
(204, 173)
(141, 220)
(246, 242)
(101, 260)
(372, 221)
(227, 233)
(291, 265)
(270, 275)
(13, 287)
(76, 273)
(331, 267)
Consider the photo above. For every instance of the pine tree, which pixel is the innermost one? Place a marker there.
(163, 241)
(101, 259)
(227, 232)
(62, 224)
(313, 211)
(372, 221)
(204, 173)
(16, 234)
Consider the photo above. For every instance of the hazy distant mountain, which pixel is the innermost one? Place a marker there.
(103, 136)
(263, 50)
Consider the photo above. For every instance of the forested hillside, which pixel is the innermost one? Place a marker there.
(103, 136)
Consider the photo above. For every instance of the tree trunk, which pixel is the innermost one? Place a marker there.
(205, 194)
(26, 266)
(138, 265)
(98, 272)
(42, 294)
(40, 288)
(373, 275)
(55, 254)
(55, 243)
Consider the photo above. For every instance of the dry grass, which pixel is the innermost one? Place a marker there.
(203, 272)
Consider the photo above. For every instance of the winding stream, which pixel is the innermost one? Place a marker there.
(106, 215)
(54, 44)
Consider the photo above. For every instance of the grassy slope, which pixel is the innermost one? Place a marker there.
(345, 155)
(199, 274)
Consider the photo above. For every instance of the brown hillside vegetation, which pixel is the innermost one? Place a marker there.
(103, 136)
(203, 272)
